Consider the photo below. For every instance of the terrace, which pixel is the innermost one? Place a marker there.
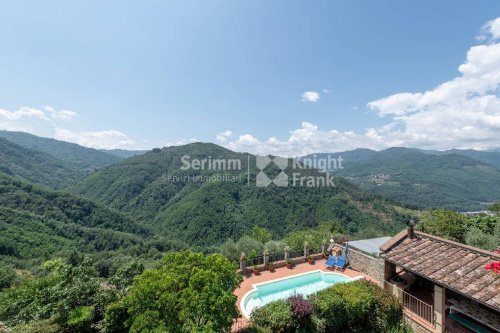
(300, 266)
(441, 284)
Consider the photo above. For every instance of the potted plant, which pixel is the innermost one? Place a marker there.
(270, 267)
(289, 263)
(255, 270)
(310, 260)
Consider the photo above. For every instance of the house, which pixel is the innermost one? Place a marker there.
(442, 284)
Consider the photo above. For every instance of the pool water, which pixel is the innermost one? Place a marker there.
(304, 284)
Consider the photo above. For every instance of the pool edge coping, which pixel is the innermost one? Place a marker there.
(255, 285)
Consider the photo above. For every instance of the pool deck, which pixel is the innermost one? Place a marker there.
(283, 272)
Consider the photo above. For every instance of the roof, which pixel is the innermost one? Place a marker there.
(453, 265)
(370, 246)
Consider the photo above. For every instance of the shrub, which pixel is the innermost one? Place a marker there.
(359, 303)
(38, 326)
(328, 305)
(476, 237)
(275, 316)
(301, 309)
(80, 318)
(274, 246)
(357, 306)
(389, 312)
(7, 276)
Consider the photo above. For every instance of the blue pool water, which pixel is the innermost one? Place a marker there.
(304, 284)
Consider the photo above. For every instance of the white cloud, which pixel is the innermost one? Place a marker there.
(222, 137)
(180, 142)
(309, 138)
(491, 30)
(310, 96)
(326, 91)
(49, 122)
(62, 114)
(110, 139)
(463, 112)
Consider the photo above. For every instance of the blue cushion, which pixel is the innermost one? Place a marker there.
(341, 261)
(331, 261)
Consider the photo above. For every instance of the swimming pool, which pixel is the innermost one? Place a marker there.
(304, 284)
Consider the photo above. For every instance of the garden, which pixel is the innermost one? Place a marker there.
(359, 306)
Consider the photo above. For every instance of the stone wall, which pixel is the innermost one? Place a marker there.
(415, 325)
(281, 263)
(368, 264)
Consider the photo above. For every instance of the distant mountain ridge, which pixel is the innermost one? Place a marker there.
(123, 153)
(36, 166)
(76, 155)
(209, 212)
(457, 179)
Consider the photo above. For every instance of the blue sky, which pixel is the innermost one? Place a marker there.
(113, 74)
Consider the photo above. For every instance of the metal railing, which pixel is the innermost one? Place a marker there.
(413, 305)
(276, 257)
(296, 254)
(258, 260)
(273, 257)
(418, 307)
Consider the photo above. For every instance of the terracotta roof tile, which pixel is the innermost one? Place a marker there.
(456, 266)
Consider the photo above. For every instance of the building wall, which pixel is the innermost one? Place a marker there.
(416, 325)
(368, 264)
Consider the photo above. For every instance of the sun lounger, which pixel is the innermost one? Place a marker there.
(330, 262)
(341, 262)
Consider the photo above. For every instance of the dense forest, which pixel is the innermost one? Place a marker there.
(205, 213)
(36, 167)
(455, 179)
(38, 224)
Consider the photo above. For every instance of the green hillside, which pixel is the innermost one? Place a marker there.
(37, 224)
(77, 156)
(123, 153)
(489, 157)
(209, 212)
(424, 179)
(35, 166)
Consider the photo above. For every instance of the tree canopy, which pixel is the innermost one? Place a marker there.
(188, 292)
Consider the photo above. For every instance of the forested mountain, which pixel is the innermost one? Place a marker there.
(37, 224)
(489, 157)
(456, 179)
(35, 166)
(76, 155)
(208, 212)
(123, 153)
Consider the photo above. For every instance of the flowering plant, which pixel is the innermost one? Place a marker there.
(301, 308)
(493, 266)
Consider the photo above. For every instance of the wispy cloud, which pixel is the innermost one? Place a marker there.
(490, 31)
(50, 122)
(109, 139)
(222, 137)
